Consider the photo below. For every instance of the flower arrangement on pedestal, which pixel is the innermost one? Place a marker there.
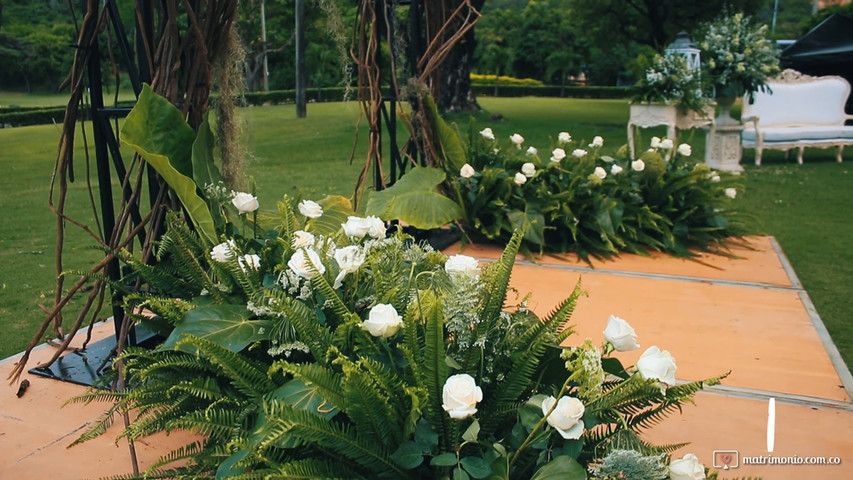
(668, 80)
(575, 198)
(326, 347)
(737, 57)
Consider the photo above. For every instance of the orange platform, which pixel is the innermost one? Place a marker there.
(748, 315)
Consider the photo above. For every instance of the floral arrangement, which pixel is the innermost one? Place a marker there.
(736, 56)
(326, 348)
(573, 197)
(668, 80)
(317, 343)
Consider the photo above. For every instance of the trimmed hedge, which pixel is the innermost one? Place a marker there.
(279, 97)
(36, 116)
(553, 91)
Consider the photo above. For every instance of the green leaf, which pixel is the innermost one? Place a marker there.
(448, 139)
(302, 396)
(415, 200)
(336, 209)
(225, 325)
(531, 223)
(444, 460)
(157, 131)
(459, 474)
(476, 467)
(561, 468)
(425, 436)
(472, 431)
(204, 170)
(408, 455)
(531, 412)
(614, 367)
(226, 468)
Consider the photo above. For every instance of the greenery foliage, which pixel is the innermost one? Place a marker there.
(596, 205)
(667, 79)
(285, 351)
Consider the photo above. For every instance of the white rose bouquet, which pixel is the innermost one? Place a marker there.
(666, 79)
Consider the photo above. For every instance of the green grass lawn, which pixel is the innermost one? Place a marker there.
(805, 207)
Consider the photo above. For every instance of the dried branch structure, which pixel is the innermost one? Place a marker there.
(181, 43)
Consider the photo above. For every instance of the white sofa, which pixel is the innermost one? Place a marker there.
(800, 111)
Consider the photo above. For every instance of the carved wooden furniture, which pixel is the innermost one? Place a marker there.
(799, 111)
(645, 115)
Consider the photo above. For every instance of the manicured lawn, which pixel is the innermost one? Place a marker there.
(805, 207)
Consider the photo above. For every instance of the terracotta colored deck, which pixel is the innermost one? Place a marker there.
(748, 315)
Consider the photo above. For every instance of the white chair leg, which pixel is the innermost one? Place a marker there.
(840, 152)
(800, 155)
(758, 151)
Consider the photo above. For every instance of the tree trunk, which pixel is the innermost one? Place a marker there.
(452, 86)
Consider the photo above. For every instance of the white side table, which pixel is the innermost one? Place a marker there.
(723, 148)
(645, 115)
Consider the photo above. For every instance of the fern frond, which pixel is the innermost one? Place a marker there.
(187, 452)
(311, 470)
(369, 406)
(499, 281)
(218, 424)
(317, 337)
(246, 376)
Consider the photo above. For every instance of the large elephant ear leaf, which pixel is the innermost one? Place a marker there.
(225, 325)
(336, 210)
(157, 131)
(415, 200)
(451, 145)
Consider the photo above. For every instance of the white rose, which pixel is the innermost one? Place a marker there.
(467, 171)
(517, 140)
(349, 258)
(686, 468)
(531, 150)
(638, 165)
(462, 265)
(558, 154)
(356, 227)
(620, 334)
(382, 321)
(655, 143)
(222, 252)
(251, 261)
(375, 227)
(666, 144)
(715, 178)
(310, 209)
(487, 133)
(298, 263)
(579, 153)
(460, 396)
(520, 179)
(564, 137)
(615, 169)
(528, 169)
(566, 417)
(302, 239)
(731, 193)
(658, 364)
(597, 141)
(600, 173)
(245, 202)
(685, 149)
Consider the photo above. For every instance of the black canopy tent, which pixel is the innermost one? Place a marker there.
(826, 50)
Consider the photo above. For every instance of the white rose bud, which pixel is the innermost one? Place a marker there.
(298, 263)
(657, 364)
(487, 133)
(356, 227)
(222, 252)
(685, 149)
(619, 333)
(382, 321)
(731, 193)
(462, 266)
(655, 143)
(597, 142)
(666, 144)
(615, 169)
(467, 171)
(566, 417)
(520, 179)
(375, 227)
(686, 468)
(245, 202)
(638, 165)
(531, 150)
(579, 153)
(251, 261)
(528, 169)
(460, 396)
(302, 239)
(600, 173)
(310, 209)
(558, 154)
(715, 178)
(517, 140)
(564, 137)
